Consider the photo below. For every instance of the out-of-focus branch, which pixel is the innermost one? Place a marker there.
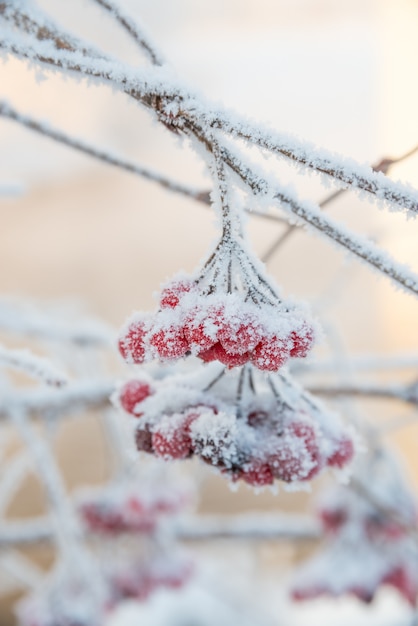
(36, 366)
(23, 319)
(133, 30)
(74, 398)
(356, 363)
(52, 133)
(37, 25)
(249, 526)
(254, 526)
(405, 393)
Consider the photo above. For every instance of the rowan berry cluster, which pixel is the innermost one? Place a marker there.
(126, 509)
(376, 521)
(133, 516)
(216, 326)
(137, 582)
(246, 433)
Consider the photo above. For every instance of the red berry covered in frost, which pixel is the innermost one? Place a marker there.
(218, 353)
(298, 456)
(271, 354)
(342, 454)
(169, 343)
(241, 337)
(172, 294)
(258, 474)
(333, 519)
(132, 343)
(403, 581)
(132, 393)
(172, 439)
(197, 336)
(302, 341)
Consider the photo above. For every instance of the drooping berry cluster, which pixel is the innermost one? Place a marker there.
(230, 311)
(136, 582)
(126, 509)
(221, 327)
(249, 434)
(370, 527)
(133, 513)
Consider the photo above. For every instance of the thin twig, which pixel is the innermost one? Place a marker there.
(133, 30)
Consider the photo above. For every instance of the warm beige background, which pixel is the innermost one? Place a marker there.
(340, 73)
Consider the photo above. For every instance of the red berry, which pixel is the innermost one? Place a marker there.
(197, 336)
(202, 326)
(343, 453)
(218, 353)
(132, 343)
(258, 474)
(298, 456)
(333, 519)
(172, 440)
(169, 343)
(402, 580)
(172, 294)
(309, 593)
(132, 393)
(270, 354)
(302, 340)
(240, 338)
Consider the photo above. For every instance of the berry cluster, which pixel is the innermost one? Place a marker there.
(137, 582)
(256, 438)
(221, 327)
(374, 522)
(125, 509)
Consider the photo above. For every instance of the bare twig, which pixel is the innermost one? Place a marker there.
(405, 393)
(134, 31)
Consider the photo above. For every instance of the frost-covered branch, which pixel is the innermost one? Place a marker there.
(342, 170)
(249, 526)
(356, 363)
(111, 159)
(246, 526)
(36, 366)
(36, 24)
(312, 216)
(74, 398)
(383, 165)
(134, 31)
(405, 393)
(24, 319)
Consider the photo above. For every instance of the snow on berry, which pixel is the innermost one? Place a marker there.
(132, 393)
(173, 291)
(171, 439)
(241, 426)
(126, 508)
(375, 518)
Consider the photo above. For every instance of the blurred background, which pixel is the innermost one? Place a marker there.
(335, 72)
